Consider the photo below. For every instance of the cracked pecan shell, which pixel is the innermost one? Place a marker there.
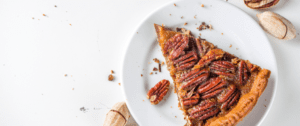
(157, 93)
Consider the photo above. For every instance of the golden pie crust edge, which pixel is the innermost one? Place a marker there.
(246, 102)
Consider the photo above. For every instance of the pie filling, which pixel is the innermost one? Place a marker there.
(209, 82)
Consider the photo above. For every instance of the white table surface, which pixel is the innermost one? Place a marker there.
(85, 40)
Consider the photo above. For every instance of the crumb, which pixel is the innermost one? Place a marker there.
(70, 24)
(196, 24)
(72, 88)
(110, 77)
(156, 60)
(230, 46)
(210, 27)
(185, 23)
(202, 5)
(175, 116)
(236, 48)
(143, 69)
(155, 72)
(119, 84)
(159, 67)
(195, 17)
(165, 99)
(265, 105)
(71, 75)
(163, 63)
(265, 99)
(221, 33)
(55, 6)
(141, 75)
(197, 28)
(32, 17)
(181, 17)
(38, 19)
(174, 4)
(44, 14)
(170, 14)
(66, 75)
(149, 62)
(200, 34)
(143, 100)
(111, 71)
(137, 32)
(151, 73)
(155, 69)
(171, 106)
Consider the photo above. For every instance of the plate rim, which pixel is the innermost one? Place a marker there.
(129, 40)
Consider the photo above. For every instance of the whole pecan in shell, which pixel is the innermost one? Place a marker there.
(157, 93)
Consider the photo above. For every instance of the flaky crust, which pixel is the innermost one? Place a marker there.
(246, 102)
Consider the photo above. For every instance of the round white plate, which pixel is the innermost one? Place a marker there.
(248, 41)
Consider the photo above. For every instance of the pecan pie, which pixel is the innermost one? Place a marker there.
(213, 86)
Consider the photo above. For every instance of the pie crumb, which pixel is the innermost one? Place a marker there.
(230, 46)
(171, 106)
(163, 63)
(202, 5)
(195, 16)
(185, 23)
(155, 69)
(151, 73)
(141, 75)
(170, 14)
(111, 71)
(265, 105)
(221, 33)
(174, 4)
(156, 60)
(175, 116)
(66, 75)
(137, 32)
(236, 48)
(32, 17)
(119, 84)
(44, 14)
(55, 6)
(181, 17)
(70, 24)
(200, 34)
(110, 77)
(143, 100)
(149, 62)
(73, 89)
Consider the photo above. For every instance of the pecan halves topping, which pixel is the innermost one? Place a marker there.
(186, 61)
(176, 45)
(212, 87)
(204, 110)
(243, 73)
(231, 100)
(203, 46)
(223, 68)
(194, 82)
(157, 93)
(210, 56)
(226, 93)
(190, 100)
(191, 74)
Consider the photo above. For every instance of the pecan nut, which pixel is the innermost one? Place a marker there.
(175, 46)
(231, 100)
(243, 73)
(186, 61)
(189, 101)
(194, 81)
(203, 46)
(223, 68)
(260, 4)
(210, 56)
(212, 88)
(227, 92)
(204, 110)
(157, 93)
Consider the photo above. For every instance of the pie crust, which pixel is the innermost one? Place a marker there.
(205, 75)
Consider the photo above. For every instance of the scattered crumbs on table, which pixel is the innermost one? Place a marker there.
(221, 33)
(119, 84)
(185, 23)
(44, 14)
(151, 73)
(110, 77)
(70, 24)
(175, 116)
(171, 106)
(195, 16)
(162, 63)
(174, 4)
(55, 6)
(65, 75)
(111, 71)
(202, 5)
(230, 46)
(141, 75)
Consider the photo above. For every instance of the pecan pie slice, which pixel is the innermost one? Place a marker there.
(213, 86)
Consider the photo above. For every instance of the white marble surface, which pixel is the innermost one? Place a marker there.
(85, 40)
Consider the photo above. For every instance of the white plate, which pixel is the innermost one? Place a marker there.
(248, 42)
